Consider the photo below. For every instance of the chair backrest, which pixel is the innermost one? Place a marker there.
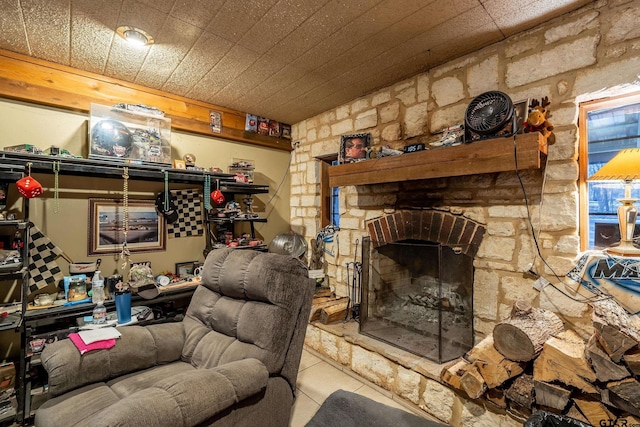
(250, 304)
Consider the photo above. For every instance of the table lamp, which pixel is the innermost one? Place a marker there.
(624, 166)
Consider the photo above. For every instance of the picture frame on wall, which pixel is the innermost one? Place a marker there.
(146, 231)
(354, 147)
(522, 111)
(215, 121)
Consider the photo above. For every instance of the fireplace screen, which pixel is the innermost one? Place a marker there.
(418, 296)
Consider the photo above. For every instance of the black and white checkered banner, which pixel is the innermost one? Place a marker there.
(43, 269)
(190, 221)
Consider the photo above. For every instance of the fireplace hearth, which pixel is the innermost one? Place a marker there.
(418, 283)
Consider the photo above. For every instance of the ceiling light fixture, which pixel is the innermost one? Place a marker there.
(135, 36)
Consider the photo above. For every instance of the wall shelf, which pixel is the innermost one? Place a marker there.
(491, 155)
(41, 163)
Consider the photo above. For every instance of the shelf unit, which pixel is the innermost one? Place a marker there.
(231, 190)
(485, 156)
(15, 321)
(30, 323)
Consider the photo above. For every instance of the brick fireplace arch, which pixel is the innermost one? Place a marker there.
(431, 225)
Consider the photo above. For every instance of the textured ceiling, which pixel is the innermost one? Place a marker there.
(283, 59)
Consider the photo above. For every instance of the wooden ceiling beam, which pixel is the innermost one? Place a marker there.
(41, 82)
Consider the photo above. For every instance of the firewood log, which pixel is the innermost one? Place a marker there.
(617, 330)
(316, 309)
(614, 342)
(625, 394)
(551, 395)
(605, 368)
(334, 313)
(562, 359)
(573, 412)
(594, 411)
(472, 383)
(323, 292)
(496, 398)
(493, 366)
(521, 336)
(452, 373)
(609, 312)
(521, 391)
(632, 360)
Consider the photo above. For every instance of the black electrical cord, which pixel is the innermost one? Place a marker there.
(535, 238)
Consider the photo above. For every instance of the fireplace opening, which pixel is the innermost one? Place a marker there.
(418, 295)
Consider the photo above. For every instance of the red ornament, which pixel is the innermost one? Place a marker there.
(217, 197)
(29, 187)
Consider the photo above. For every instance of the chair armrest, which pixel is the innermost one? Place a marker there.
(188, 398)
(139, 347)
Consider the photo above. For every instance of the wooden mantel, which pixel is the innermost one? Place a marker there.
(491, 155)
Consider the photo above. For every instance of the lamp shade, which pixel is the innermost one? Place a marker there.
(624, 166)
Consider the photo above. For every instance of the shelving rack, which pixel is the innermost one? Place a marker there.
(13, 167)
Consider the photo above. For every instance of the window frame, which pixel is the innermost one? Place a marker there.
(583, 155)
(326, 193)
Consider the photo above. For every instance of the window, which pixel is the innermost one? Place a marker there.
(329, 196)
(606, 127)
(335, 203)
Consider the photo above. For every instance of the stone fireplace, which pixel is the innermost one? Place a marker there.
(418, 282)
(591, 55)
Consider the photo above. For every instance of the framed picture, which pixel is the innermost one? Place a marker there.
(353, 148)
(522, 111)
(4, 193)
(146, 231)
(215, 121)
(186, 269)
(179, 164)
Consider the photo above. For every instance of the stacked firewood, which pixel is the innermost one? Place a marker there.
(327, 308)
(531, 363)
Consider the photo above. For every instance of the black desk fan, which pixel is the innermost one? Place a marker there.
(491, 114)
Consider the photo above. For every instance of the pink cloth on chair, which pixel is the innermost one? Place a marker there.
(98, 345)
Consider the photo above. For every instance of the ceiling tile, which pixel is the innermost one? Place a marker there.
(326, 21)
(207, 51)
(286, 59)
(530, 13)
(135, 13)
(92, 32)
(124, 60)
(163, 6)
(252, 77)
(229, 67)
(234, 19)
(173, 42)
(13, 35)
(279, 21)
(48, 23)
(196, 12)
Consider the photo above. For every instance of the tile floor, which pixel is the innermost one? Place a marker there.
(318, 378)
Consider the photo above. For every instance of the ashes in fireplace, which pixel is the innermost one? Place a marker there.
(418, 295)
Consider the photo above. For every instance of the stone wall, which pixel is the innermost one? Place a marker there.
(585, 55)
(588, 54)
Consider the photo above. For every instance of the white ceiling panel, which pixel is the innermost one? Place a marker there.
(283, 59)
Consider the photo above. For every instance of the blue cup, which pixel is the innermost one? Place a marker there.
(123, 306)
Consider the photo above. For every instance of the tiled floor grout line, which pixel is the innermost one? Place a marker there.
(408, 405)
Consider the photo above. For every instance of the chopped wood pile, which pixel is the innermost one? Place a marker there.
(327, 308)
(531, 363)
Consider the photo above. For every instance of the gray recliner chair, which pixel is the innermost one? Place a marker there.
(232, 361)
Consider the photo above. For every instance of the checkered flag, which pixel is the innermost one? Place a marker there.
(189, 222)
(43, 269)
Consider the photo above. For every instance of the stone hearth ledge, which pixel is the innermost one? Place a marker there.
(405, 375)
